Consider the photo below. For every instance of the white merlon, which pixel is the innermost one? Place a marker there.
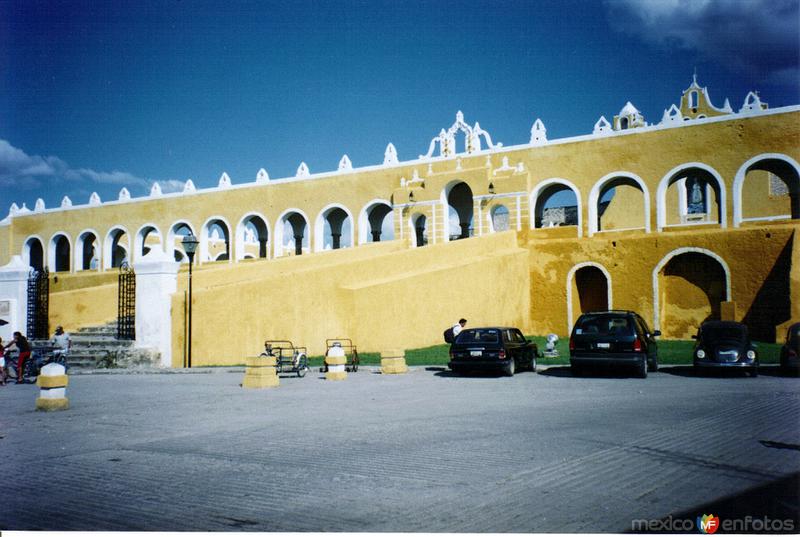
(302, 170)
(538, 133)
(602, 126)
(155, 190)
(124, 195)
(224, 181)
(262, 176)
(671, 115)
(345, 164)
(189, 186)
(94, 199)
(390, 155)
(39, 207)
(24, 209)
(13, 210)
(66, 202)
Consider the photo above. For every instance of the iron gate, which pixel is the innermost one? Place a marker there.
(126, 303)
(38, 304)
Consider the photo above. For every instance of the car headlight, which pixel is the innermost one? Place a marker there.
(751, 355)
(700, 353)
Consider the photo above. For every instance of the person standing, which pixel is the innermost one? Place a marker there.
(24, 348)
(459, 326)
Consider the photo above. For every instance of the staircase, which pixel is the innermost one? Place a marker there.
(97, 347)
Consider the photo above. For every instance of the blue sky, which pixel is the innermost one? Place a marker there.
(99, 95)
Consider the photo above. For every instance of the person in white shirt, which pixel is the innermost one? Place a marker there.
(61, 341)
(459, 326)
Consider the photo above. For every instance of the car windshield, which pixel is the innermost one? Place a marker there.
(478, 335)
(604, 325)
(714, 332)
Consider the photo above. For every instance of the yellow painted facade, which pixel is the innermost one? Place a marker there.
(702, 222)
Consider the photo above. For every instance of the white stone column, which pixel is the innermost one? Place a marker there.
(14, 297)
(156, 281)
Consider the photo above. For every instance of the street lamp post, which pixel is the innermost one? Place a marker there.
(190, 243)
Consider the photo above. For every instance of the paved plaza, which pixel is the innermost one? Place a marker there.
(425, 451)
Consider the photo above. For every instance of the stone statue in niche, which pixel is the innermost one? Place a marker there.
(697, 201)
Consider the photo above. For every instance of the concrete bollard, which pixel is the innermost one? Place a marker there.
(393, 362)
(261, 372)
(52, 382)
(336, 360)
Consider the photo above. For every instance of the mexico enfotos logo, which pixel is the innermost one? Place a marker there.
(709, 524)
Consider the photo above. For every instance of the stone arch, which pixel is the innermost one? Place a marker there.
(498, 218)
(457, 195)
(60, 252)
(372, 222)
(177, 231)
(418, 224)
(215, 240)
(617, 180)
(87, 254)
(701, 280)
(588, 289)
(544, 191)
(335, 224)
(786, 169)
(144, 241)
(116, 247)
(252, 237)
(33, 252)
(701, 174)
(297, 223)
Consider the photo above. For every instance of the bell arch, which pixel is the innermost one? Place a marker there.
(116, 247)
(33, 252)
(689, 284)
(458, 207)
(780, 178)
(588, 289)
(252, 237)
(550, 192)
(215, 240)
(628, 207)
(690, 194)
(60, 252)
(372, 222)
(333, 228)
(291, 233)
(86, 251)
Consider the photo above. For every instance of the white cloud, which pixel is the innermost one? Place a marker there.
(20, 170)
(758, 37)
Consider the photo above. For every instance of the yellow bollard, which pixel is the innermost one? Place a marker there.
(336, 360)
(52, 382)
(393, 362)
(261, 372)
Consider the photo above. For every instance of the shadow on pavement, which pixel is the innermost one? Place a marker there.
(607, 373)
(770, 508)
(689, 371)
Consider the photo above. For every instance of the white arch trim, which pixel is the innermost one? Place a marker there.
(51, 250)
(239, 252)
(170, 247)
(78, 257)
(738, 181)
(203, 250)
(26, 249)
(544, 184)
(363, 218)
(278, 243)
(571, 276)
(666, 259)
(663, 185)
(319, 225)
(108, 244)
(138, 240)
(594, 198)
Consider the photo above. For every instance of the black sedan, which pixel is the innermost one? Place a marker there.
(725, 344)
(613, 338)
(790, 352)
(501, 349)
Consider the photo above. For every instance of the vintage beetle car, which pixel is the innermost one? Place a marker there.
(725, 344)
(613, 338)
(790, 352)
(502, 349)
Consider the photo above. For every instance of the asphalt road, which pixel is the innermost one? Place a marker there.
(425, 451)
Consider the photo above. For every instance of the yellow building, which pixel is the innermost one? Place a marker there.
(691, 218)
